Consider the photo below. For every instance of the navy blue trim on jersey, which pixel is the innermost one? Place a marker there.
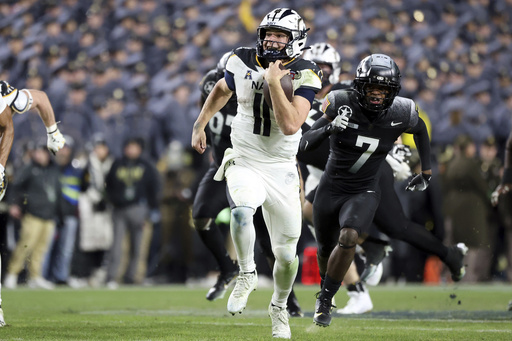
(307, 93)
(230, 80)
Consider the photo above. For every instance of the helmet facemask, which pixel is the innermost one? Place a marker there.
(379, 71)
(376, 97)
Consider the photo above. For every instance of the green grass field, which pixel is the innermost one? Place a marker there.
(447, 312)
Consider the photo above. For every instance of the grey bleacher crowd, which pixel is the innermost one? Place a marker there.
(130, 69)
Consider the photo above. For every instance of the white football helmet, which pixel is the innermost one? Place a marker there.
(221, 65)
(324, 53)
(287, 20)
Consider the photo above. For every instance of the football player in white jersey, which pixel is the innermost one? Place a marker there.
(14, 101)
(260, 169)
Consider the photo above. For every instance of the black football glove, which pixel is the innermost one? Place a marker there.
(419, 182)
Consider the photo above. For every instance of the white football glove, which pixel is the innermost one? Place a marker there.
(400, 152)
(401, 170)
(55, 139)
(339, 123)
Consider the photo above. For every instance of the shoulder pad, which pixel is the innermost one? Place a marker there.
(405, 108)
(246, 55)
(9, 93)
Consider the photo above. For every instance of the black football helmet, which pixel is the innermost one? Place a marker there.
(381, 70)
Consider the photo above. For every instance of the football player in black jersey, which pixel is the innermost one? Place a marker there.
(211, 197)
(14, 101)
(363, 123)
(389, 217)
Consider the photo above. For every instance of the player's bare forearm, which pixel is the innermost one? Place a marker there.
(43, 106)
(217, 99)
(7, 136)
(290, 116)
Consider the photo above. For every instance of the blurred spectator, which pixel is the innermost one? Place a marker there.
(467, 207)
(57, 265)
(36, 202)
(133, 188)
(96, 225)
(490, 166)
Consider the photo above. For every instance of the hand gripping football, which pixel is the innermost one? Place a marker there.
(286, 84)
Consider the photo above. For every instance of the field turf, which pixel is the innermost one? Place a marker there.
(177, 312)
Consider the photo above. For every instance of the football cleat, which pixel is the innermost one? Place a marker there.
(374, 251)
(359, 303)
(2, 321)
(280, 325)
(245, 284)
(11, 281)
(219, 289)
(374, 279)
(323, 309)
(40, 283)
(455, 261)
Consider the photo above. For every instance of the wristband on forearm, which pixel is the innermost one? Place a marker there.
(52, 129)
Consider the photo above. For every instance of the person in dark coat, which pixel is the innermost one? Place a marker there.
(133, 188)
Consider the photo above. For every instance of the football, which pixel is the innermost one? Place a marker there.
(286, 84)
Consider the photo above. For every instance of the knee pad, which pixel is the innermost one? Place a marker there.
(285, 254)
(242, 215)
(348, 238)
(202, 224)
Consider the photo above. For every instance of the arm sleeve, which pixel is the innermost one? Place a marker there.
(230, 80)
(315, 136)
(423, 143)
(307, 93)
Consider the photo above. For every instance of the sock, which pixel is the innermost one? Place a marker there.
(284, 277)
(244, 237)
(330, 288)
(357, 286)
(214, 241)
